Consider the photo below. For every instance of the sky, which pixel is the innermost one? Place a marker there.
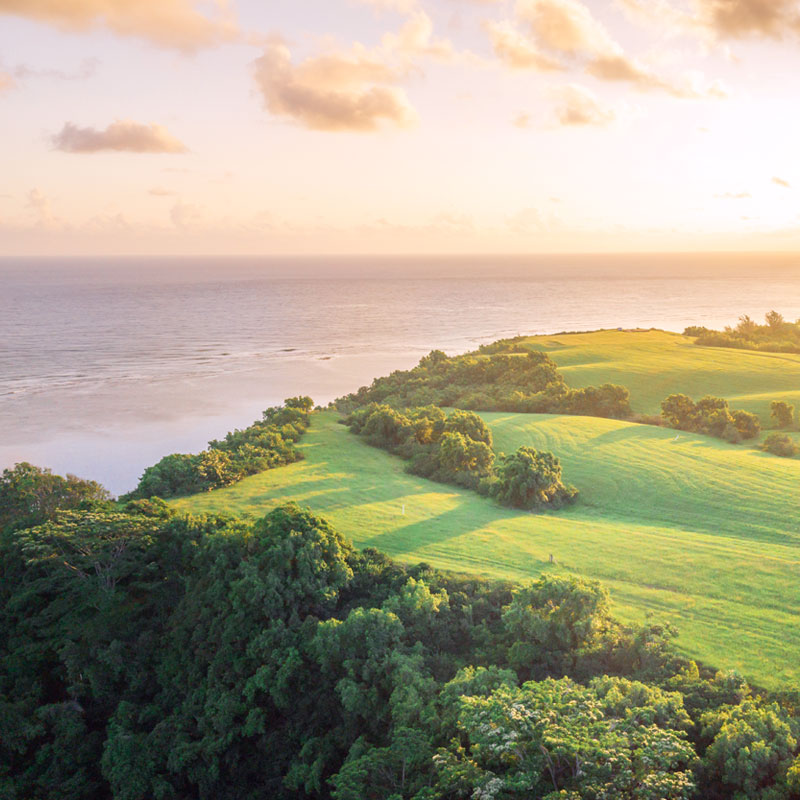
(398, 126)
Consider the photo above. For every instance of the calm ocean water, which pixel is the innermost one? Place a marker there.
(108, 364)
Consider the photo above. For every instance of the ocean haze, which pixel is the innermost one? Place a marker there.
(108, 364)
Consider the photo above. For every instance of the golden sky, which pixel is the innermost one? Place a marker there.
(398, 126)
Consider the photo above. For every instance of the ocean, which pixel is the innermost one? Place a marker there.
(107, 364)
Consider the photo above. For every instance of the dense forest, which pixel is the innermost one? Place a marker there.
(503, 377)
(776, 335)
(149, 655)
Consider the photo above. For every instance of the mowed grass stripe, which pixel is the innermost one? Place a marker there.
(666, 525)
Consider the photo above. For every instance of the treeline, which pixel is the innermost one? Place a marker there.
(457, 449)
(776, 335)
(145, 655)
(711, 416)
(525, 382)
(267, 443)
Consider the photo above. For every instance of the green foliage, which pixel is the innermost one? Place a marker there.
(710, 416)
(30, 496)
(780, 444)
(531, 479)
(558, 739)
(458, 449)
(266, 444)
(782, 413)
(776, 336)
(553, 622)
(752, 748)
(148, 655)
(506, 376)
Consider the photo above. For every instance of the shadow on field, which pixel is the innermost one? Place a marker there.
(436, 530)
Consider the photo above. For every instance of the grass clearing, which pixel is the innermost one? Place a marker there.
(654, 364)
(698, 531)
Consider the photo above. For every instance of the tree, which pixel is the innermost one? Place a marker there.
(470, 425)
(747, 424)
(552, 620)
(679, 411)
(531, 479)
(774, 320)
(458, 454)
(780, 444)
(303, 403)
(752, 747)
(782, 414)
(746, 327)
(558, 740)
(30, 495)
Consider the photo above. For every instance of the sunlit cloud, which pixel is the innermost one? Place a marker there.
(159, 191)
(119, 136)
(733, 196)
(577, 105)
(176, 24)
(781, 182)
(7, 82)
(516, 49)
(415, 38)
(333, 92)
(564, 34)
(566, 26)
(741, 18)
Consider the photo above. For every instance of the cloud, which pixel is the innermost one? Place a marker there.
(522, 120)
(564, 34)
(781, 182)
(737, 19)
(333, 92)
(516, 50)
(168, 23)
(416, 38)
(734, 196)
(577, 105)
(7, 82)
(158, 191)
(566, 26)
(119, 136)
(87, 69)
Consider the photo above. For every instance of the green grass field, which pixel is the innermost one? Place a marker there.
(700, 532)
(654, 364)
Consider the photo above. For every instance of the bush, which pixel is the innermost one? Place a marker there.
(710, 416)
(782, 414)
(780, 444)
(531, 479)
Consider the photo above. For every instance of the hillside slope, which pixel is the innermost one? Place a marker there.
(654, 364)
(695, 530)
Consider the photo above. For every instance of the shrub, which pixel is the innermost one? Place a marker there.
(780, 444)
(782, 414)
(531, 479)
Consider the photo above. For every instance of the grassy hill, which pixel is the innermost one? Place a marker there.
(654, 364)
(693, 529)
